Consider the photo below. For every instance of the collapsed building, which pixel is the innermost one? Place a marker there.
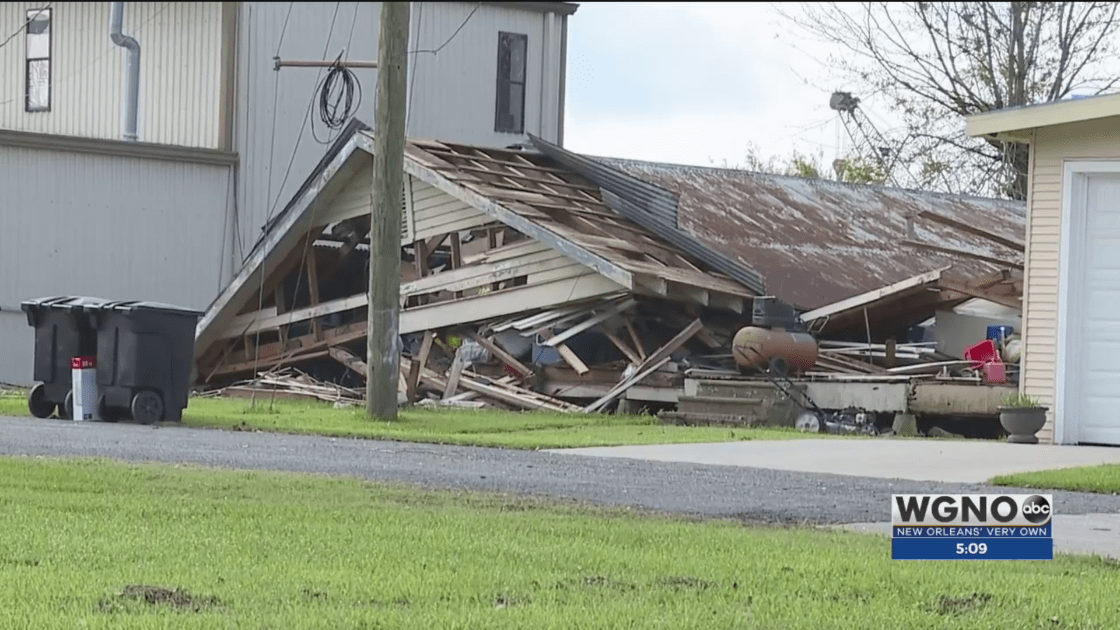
(538, 278)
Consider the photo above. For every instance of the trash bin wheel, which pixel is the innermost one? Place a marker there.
(147, 407)
(66, 409)
(37, 403)
(105, 412)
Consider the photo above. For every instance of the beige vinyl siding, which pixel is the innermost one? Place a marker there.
(434, 212)
(1052, 147)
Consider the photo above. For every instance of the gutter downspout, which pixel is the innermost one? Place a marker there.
(132, 68)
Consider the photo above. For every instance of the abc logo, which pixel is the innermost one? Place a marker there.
(1036, 509)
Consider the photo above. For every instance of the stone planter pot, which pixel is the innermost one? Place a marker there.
(1022, 423)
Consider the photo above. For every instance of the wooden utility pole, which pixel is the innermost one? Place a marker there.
(384, 350)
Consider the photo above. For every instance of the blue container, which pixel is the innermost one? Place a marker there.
(998, 333)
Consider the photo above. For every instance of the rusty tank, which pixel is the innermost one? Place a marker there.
(755, 347)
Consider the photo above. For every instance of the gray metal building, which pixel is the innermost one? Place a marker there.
(224, 139)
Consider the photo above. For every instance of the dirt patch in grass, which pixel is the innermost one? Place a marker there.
(158, 596)
(684, 581)
(947, 605)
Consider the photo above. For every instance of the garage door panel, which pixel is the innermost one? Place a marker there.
(1095, 358)
(1100, 357)
(1103, 255)
(1102, 305)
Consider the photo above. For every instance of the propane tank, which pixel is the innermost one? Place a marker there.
(754, 347)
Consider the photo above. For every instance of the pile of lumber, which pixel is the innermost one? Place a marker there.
(290, 383)
(858, 358)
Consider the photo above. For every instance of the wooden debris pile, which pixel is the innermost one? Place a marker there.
(290, 383)
(602, 348)
(855, 358)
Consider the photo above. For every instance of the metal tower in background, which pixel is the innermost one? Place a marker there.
(867, 141)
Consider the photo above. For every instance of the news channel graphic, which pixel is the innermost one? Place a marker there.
(972, 527)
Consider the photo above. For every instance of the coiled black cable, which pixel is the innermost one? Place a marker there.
(340, 95)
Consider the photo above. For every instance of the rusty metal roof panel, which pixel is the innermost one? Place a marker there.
(820, 241)
(648, 204)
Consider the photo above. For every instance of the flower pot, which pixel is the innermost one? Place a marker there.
(1022, 423)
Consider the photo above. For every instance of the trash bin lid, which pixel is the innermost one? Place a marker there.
(151, 307)
(62, 302)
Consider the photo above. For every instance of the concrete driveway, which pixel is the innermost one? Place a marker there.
(952, 461)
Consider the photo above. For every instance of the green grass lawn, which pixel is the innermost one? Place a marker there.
(94, 544)
(524, 430)
(1103, 479)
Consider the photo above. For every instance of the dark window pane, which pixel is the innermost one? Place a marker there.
(517, 60)
(517, 107)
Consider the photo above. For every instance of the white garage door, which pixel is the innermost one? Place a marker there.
(1095, 320)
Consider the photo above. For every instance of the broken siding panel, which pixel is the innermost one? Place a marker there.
(435, 212)
(1051, 148)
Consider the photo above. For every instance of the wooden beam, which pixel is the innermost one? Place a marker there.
(421, 251)
(278, 354)
(454, 376)
(960, 252)
(501, 354)
(1003, 300)
(420, 363)
(622, 347)
(478, 308)
(590, 322)
(473, 276)
(571, 358)
(265, 321)
(928, 278)
(650, 365)
(346, 358)
(1017, 245)
(634, 337)
(313, 290)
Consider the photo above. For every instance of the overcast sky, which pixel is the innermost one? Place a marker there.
(694, 83)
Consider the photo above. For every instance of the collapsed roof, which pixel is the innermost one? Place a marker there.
(564, 228)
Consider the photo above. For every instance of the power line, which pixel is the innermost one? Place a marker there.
(449, 39)
(25, 25)
(268, 217)
(412, 82)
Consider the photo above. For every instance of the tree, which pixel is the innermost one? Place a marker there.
(852, 169)
(935, 62)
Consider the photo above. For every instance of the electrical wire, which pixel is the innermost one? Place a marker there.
(449, 39)
(413, 68)
(340, 95)
(25, 24)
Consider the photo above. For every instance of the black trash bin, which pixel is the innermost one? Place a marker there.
(64, 329)
(145, 356)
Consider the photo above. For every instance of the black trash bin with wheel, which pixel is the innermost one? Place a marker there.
(64, 329)
(145, 356)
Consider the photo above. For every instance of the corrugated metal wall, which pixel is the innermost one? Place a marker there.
(116, 227)
(279, 135)
(454, 91)
(180, 71)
